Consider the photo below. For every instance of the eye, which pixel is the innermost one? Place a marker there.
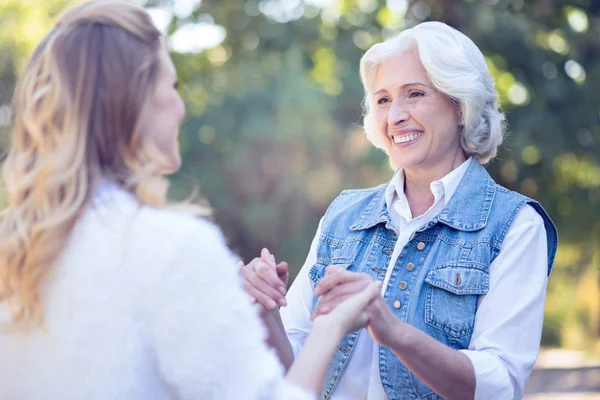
(176, 85)
(382, 100)
(416, 94)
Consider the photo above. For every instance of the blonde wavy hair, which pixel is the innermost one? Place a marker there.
(78, 109)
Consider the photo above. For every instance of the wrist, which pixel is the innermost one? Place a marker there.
(397, 335)
(269, 315)
(326, 327)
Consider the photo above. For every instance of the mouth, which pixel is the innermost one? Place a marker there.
(408, 138)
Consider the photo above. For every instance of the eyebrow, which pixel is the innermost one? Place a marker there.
(403, 87)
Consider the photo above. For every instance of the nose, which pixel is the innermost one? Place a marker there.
(398, 113)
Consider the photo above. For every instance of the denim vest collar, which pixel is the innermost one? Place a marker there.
(468, 209)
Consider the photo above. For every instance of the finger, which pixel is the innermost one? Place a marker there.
(283, 274)
(351, 313)
(328, 306)
(266, 255)
(262, 286)
(260, 297)
(338, 294)
(328, 282)
(240, 264)
(345, 289)
(362, 299)
(269, 275)
(271, 257)
(332, 270)
(281, 269)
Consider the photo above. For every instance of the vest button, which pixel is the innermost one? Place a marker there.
(420, 246)
(397, 304)
(410, 266)
(403, 285)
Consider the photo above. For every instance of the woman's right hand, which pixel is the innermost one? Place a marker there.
(351, 314)
(265, 280)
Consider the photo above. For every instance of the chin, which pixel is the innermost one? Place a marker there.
(406, 161)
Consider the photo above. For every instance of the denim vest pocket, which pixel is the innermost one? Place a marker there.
(452, 296)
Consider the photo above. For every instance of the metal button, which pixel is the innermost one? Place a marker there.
(403, 285)
(457, 279)
(397, 304)
(410, 266)
(420, 246)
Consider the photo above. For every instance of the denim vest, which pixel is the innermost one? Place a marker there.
(444, 266)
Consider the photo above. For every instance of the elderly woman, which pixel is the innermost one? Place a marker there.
(464, 262)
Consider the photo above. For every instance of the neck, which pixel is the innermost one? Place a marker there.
(417, 183)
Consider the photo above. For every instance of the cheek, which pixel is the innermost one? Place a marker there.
(381, 118)
(440, 116)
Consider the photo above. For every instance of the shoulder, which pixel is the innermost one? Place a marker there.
(364, 192)
(170, 225)
(356, 197)
(505, 194)
(523, 208)
(149, 234)
(176, 232)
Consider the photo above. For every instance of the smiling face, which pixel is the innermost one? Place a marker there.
(419, 125)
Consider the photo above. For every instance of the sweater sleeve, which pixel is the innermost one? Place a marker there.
(207, 338)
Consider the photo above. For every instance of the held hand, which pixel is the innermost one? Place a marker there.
(351, 313)
(382, 322)
(336, 286)
(265, 280)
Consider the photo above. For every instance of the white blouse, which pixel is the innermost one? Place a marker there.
(143, 304)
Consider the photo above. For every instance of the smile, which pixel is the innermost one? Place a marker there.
(408, 138)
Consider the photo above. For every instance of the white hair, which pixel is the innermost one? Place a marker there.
(456, 67)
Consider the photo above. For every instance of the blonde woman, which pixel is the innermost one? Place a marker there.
(106, 294)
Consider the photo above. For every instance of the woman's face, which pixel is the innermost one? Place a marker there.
(420, 125)
(164, 114)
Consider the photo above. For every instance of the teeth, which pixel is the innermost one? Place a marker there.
(407, 138)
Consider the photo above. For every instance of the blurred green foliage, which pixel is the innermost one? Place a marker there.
(273, 131)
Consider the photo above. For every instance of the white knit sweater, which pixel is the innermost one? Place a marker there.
(143, 304)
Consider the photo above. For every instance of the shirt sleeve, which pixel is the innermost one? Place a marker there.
(508, 324)
(207, 337)
(296, 316)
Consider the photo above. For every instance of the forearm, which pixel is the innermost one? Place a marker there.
(277, 337)
(309, 368)
(445, 370)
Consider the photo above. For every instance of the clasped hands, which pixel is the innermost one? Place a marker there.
(265, 281)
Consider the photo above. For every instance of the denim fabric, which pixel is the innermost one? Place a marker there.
(451, 256)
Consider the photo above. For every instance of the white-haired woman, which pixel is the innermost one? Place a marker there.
(464, 262)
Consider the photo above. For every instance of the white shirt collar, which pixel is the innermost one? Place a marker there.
(443, 188)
